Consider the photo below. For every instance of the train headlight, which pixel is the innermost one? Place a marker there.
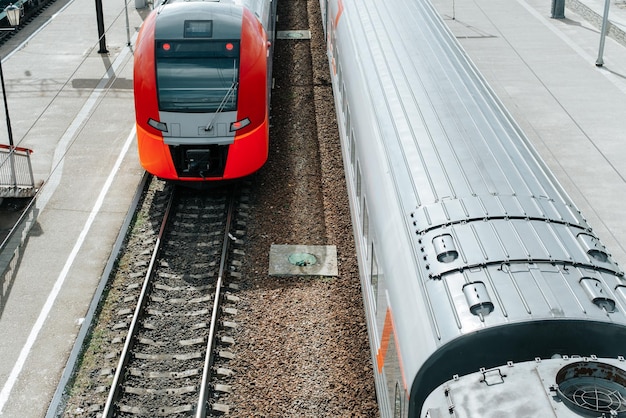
(161, 126)
(240, 124)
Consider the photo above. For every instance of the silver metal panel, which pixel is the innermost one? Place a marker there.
(523, 390)
(481, 250)
(189, 128)
(477, 207)
(293, 34)
(502, 240)
(303, 260)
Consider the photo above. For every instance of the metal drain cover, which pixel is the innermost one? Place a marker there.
(303, 260)
(293, 34)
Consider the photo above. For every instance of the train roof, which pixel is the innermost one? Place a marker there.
(473, 190)
(449, 136)
(501, 250)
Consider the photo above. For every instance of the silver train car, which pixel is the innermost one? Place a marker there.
(487, 294)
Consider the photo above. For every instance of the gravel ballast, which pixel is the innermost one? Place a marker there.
(302, 348)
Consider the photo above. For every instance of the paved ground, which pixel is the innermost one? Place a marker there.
(72, 106)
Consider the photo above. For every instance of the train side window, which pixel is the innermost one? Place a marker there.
(331, 46)
(347, 117)
(358, 184)
(339, 75)
(366, 224)
(374, 277)
(397, 405)
(352, 148)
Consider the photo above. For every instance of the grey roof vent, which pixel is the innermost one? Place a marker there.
(593, 247)
(445, 248)
(598, 294)
(478, 299)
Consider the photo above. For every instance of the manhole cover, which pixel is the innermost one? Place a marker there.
(302, 259)
(293, 34)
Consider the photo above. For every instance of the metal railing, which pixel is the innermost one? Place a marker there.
(16, 172)
(12, 250)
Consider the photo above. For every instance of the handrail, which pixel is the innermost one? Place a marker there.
(21, 149)
(16, 169)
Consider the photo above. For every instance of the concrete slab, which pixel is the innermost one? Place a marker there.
(73, 107)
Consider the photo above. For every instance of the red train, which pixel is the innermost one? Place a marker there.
(202, 84)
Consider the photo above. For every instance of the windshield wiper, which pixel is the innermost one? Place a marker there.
(229, 93)
(222, 105)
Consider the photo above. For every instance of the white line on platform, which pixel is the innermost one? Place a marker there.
(48, 189)
(19, 364)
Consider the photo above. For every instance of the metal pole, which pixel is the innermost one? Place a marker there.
(100, 21)
(6, 107)
(9, 130)
(127, 24)
(599, 61)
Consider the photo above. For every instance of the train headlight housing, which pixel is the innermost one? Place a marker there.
(240, 124)
(161, 126)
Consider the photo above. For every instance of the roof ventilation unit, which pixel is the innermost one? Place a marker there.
(445, 249)
(593, 247)
(593, 389)
(598, 294)
(478, 299)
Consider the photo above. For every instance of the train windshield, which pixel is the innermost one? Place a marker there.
(197, 76)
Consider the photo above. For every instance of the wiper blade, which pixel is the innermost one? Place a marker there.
(220, 108)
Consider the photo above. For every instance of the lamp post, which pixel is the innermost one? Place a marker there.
(14, 14)
(6, 107)
(10, 132)
(101, 32)
(605, 20)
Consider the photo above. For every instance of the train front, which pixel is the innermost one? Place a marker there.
(201, 94)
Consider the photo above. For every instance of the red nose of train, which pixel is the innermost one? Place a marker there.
(201, 92)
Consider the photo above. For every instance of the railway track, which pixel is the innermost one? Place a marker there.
(301, 347)
(180, 314)
(164, 335)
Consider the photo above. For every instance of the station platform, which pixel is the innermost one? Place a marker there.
(72, 105)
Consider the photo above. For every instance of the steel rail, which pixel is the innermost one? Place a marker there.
(134, 325)
(201, 409)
